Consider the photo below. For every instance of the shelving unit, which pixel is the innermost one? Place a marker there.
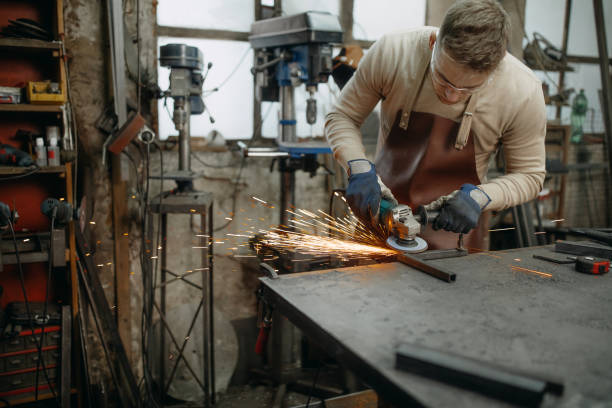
(25, 188)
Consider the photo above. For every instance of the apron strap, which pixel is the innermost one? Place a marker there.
(466, 124)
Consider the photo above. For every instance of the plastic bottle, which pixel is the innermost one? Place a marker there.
(580, 107)
(53, 154)
(41, 152)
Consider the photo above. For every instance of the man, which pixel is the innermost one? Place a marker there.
(449, 100)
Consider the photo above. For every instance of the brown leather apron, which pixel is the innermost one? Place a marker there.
(427, 157)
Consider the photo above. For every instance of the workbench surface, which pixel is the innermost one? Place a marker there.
(557, 327)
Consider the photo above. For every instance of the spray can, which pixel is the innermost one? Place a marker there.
(53, 154)
(41, 152)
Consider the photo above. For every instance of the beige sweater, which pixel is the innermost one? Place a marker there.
(510, 110)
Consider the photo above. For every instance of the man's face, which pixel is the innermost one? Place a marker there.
(453, 82)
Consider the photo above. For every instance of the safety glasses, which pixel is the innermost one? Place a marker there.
(441, 80)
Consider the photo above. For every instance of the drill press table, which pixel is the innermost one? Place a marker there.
(557, 327)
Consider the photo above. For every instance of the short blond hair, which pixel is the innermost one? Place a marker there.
(475, 33)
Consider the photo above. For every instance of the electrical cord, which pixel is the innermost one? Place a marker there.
(45, 317)
(27, 307)
(218, 87)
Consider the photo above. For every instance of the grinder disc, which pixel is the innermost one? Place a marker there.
(418, 245)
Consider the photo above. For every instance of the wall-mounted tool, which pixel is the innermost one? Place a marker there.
(62, 211)
(10, 156)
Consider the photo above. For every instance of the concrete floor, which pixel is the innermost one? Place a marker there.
(259, 396)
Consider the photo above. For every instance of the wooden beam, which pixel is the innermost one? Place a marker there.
(583, 59)
(566, 24)
(346, 20)
(168, 31)
(122, 255)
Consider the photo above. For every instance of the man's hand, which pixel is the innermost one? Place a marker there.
(460, 212)
(365, 190)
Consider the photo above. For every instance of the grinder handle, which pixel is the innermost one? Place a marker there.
(424, 216)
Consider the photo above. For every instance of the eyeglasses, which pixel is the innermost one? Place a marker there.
(441, 80)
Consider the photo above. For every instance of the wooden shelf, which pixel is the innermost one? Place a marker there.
(11, 171)
(26, 107)
(29, 43)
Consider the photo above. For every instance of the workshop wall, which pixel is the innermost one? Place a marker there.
(87, 47)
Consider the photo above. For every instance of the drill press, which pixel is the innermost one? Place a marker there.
(291, 51)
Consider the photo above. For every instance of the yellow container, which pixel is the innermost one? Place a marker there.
(40, 93)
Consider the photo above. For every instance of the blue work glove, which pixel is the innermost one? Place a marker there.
(365, 190)
(460, 212)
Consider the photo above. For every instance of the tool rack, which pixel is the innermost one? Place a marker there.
(22, 189)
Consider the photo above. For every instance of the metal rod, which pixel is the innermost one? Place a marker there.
(606, 83)
(206, 316)
(566, 24)
(287, 120)
(426, 267)
(178, 278)
(184, 139)
(211, 300)
(162, 336)
(167, 327)
(180, 355)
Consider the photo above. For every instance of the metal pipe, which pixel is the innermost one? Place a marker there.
(606, 83)
(287, 121)
(184, 136)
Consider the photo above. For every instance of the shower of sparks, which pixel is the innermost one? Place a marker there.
(312, 233)
(319, 245)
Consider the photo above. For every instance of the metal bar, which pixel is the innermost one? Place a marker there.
(66, 351)
(426, 267)
(169, 31)
(583, 59)
(209, 264)
(101, 310)
(180, 355)
(162, 281)
(606, 84)
(518, 227)
(583, 248)
(487, 379)
(566, 24)
(179, 278)
(166, 326)
(206, 316)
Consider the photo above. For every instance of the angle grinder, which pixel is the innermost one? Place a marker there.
(403, 225)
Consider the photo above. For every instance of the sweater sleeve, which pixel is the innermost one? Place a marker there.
(524, 153)
(357, 99)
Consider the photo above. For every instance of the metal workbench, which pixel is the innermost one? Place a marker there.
(557, 327)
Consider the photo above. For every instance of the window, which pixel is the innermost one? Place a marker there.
(372, 19)
(232, 106)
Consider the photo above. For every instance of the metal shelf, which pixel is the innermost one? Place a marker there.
(26, 107)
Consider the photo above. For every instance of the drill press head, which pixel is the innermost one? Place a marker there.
(403, 228)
